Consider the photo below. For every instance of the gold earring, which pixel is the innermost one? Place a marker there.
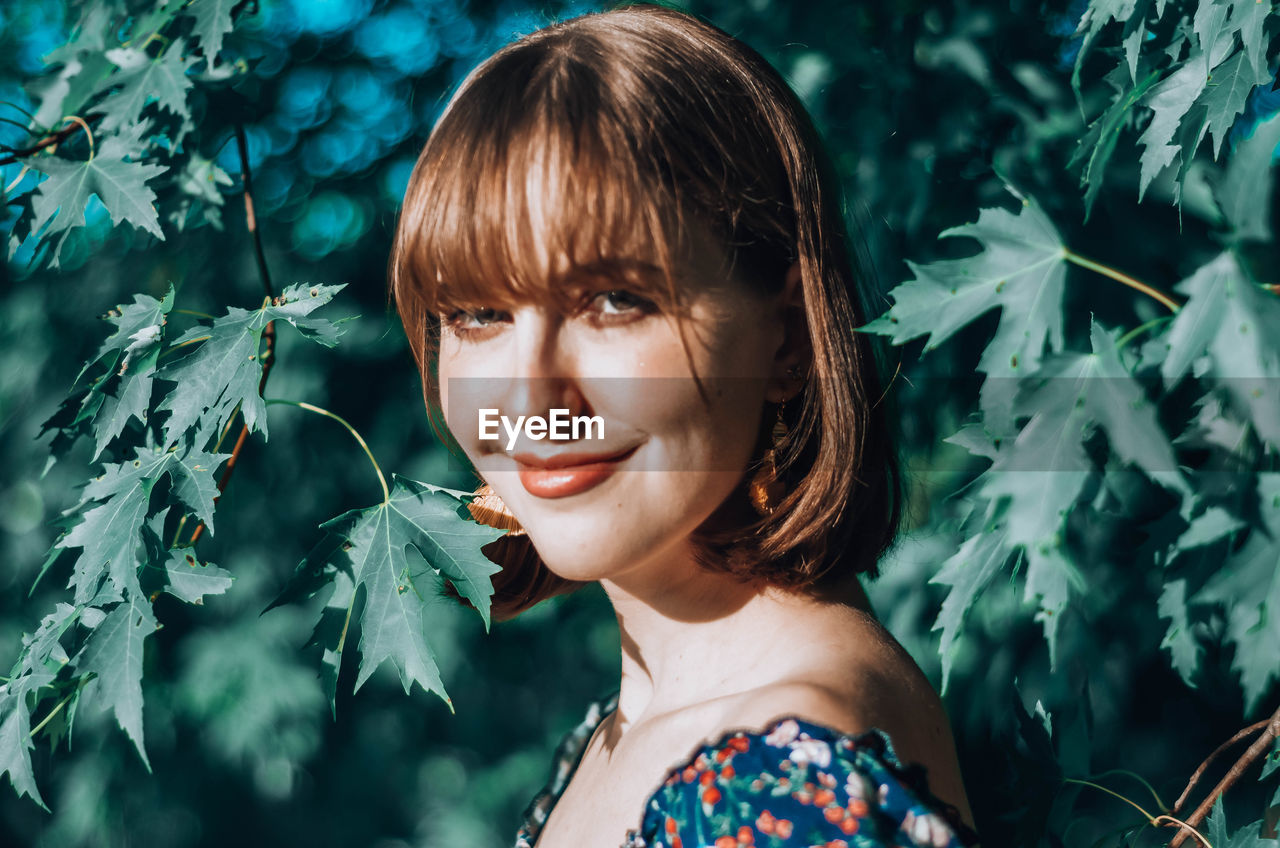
(490, 510)
(767, 487)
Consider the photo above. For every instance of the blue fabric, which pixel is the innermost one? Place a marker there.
(795, 784)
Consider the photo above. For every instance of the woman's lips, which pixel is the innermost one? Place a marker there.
(566, 474)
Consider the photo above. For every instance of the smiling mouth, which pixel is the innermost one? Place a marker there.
(567, 474)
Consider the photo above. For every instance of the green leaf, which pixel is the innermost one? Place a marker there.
(113, 652)
(126, 363)
(1182, 643)
(189, 580)
(1097, 15)
(1247, 585)
(1020, 271)
(1043, 471)
(1225, 94)
(84, 66)
(42, 650)
(1073, 393)
(1243, 193)
(15, 734)
(144, 80)
(1099, 142)
(1215, 828)
(1237, 324)
(223, 372)
(135, 368)
(968, 572)
(1210, 526)
(121, 185)
(213, 22)
(430, 522)
(1170, 101)
(330, 634)
(110, 533)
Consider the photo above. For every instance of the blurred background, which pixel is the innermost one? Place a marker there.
(925, 104)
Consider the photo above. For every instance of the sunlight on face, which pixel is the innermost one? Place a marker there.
(600, 507)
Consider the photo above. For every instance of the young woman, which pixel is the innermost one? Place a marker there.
(625, 220)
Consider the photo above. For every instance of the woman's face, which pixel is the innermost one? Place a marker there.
(658, 458)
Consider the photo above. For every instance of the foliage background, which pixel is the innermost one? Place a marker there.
(928, 108)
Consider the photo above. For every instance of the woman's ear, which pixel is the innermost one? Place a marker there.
(791, 361)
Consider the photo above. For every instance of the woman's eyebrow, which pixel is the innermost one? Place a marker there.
(614, 266)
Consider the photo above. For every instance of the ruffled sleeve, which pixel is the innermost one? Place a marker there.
(797, 785)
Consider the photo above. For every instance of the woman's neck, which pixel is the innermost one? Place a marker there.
(690, 636)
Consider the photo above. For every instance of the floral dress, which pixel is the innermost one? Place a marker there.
(795, 785)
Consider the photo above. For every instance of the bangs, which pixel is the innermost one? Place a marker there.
(531, 193)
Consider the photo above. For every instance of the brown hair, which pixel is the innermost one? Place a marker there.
(620, 127)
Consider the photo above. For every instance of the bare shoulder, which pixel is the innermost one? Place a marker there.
(878, 686)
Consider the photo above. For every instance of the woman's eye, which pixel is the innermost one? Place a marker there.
(620, 302)
(471, 320)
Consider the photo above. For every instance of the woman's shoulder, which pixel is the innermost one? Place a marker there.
(799, 782)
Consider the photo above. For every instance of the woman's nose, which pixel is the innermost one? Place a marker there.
(544, 372)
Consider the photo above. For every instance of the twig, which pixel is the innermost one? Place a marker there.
(1270, 730)
(268, 332)
(1243, 734)
(48, 141)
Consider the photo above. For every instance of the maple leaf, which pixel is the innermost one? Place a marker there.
(968, 572)
(1236, 324)
(433, 525)
(1170, 100)
(1225, 94)
(1245, 200)
(110, 532)
(1036, 478)
(60, 200)
(1247, 585)
(1020, 271)
(189, 580)
(223, 372)
(125, 361)
(1096, 16)
(143, 80)
(1184, 647)
(199, 183)
(212, 23)
(84, 66)
(113, 654)
(15, 733)
(1219, 20)
(1097, 145)
(1246, 836)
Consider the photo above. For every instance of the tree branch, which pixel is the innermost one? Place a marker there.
(268, 332)
(1270, 730)
(48, 141)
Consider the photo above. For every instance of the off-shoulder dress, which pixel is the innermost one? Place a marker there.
(795, 784)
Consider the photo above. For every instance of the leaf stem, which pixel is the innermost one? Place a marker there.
(386, 493)
(1099, 786)
(1152, 820)
(197, 313)
(84, 125)
(1138, 778)
(1106, 271)
(53, 712)
(1139, 330)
